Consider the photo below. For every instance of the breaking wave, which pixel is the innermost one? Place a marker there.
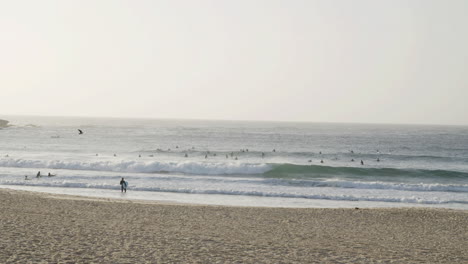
(272, 170)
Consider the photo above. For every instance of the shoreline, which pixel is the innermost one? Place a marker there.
(222, 199)
(39, 227)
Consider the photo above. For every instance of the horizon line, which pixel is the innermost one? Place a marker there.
(232, 120)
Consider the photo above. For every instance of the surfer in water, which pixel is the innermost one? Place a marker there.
(80, 132)
(38, 174)
(123, 185)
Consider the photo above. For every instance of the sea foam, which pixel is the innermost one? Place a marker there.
(189, 167)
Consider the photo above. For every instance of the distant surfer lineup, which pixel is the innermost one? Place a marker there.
(232, 154)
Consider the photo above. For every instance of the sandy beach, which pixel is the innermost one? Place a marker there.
(42, 228)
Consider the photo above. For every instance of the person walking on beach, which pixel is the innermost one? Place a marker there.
(123, 185)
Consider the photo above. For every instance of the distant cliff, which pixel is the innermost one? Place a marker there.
(3, 123)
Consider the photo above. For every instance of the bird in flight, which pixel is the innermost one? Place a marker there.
(80, 131)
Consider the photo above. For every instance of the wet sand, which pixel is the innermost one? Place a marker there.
(42, 228)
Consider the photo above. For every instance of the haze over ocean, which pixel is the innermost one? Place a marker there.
(240, 163)
(317, 61)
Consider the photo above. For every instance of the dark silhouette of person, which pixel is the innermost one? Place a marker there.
(123, 185)
(80, 132)
(362, 162)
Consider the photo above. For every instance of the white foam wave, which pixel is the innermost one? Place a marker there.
(419, 187)
(198, 168)
(322, 196)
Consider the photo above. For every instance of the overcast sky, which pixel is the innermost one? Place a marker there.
(291, 60)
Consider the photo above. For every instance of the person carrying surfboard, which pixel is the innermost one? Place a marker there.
(123, 185)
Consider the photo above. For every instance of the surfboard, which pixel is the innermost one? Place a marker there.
(125, 184)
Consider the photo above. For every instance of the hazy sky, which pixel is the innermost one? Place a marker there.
(323, 61)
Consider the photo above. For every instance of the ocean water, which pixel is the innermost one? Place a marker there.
(239, 163)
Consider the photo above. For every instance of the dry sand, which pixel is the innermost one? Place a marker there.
(41, 228)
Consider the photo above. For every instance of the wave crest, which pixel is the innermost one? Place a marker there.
(199, 168)
(286, 170)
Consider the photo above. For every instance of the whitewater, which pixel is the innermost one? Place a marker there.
(275, 164)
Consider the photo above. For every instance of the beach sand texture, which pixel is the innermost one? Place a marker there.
(42, 228)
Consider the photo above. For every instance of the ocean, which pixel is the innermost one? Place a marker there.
(238, 163)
